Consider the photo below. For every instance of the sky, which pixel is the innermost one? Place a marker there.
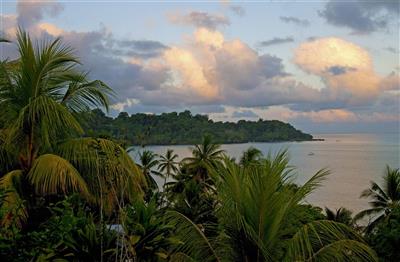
(323, 66)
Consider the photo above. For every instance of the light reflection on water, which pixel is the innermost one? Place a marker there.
(354, 160)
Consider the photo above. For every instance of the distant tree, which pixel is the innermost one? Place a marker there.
(250, 156)
(168, 165)
(148, 164)
(384, 199)
(341, 215)
(204, 156)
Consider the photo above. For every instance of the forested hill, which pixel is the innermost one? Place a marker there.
(185, 128)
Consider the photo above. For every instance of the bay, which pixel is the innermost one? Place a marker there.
(353, 159)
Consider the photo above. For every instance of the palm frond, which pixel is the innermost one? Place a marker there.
(82, 95)
(106, 167)
(195, 244)
(51, 174)
(326, 240)
(48, 116)
(314, 182)
(15, 210)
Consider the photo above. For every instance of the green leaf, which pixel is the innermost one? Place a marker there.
(51, 174)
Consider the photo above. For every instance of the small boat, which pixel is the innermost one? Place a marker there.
(311, 154)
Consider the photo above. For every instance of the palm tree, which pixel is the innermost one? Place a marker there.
(204, 156)
(168, 164)
(254, 205)
(148, 164)
(40, 154)
(341, 215)
(384, 199)
(250, 156)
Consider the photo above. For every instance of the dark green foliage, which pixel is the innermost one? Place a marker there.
(185, 128)
(70, 233)
(384, 199)
(147, 234)
(386, 237)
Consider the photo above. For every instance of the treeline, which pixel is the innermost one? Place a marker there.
(185, 128)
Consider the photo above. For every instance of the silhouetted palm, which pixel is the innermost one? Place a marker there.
(341, 215)
(250, 156)
(167, 164)
(384, 199)
(205, 155)
(148, 165)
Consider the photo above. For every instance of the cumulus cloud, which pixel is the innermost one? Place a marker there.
(391, 82)
(127, 103)
(295, 20)
(284, 113)
(345, 68)
(212, 70)
(199, 19)
(226, 77)
(33, 11)
(276, 41)
(362, 16)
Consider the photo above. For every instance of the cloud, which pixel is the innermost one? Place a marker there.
(345, 68)
(199, 19)
(276, 41)
(50, 29)
(238, 10)
(319, 55)
(142, 45)
(141, 49)
(295, 20)
(244, 114)
(392, 50)
(210, 73)
(31, 12)
(339, 70)
(391, 82)
(210, 70)
(190, 72)
(361, 16)
(127, 103)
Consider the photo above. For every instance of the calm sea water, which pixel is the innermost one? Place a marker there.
(354, 160)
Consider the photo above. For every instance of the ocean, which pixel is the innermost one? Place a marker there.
(353, 159)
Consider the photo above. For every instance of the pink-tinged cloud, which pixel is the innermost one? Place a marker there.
(31, 12)
(199, 19)
(345, 68)
(320, 116)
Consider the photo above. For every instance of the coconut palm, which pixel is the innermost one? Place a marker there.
(384, 199)
(254, 205)
(205, 155)
(40, 153)
(148, 164)
(341, 215)
(168, 165)
(250, 156)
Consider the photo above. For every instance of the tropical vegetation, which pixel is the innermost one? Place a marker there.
(185, 129)
(68, 196)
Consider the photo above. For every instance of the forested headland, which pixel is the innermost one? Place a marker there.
(185, 129)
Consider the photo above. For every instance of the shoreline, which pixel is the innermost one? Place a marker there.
(238, 143)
